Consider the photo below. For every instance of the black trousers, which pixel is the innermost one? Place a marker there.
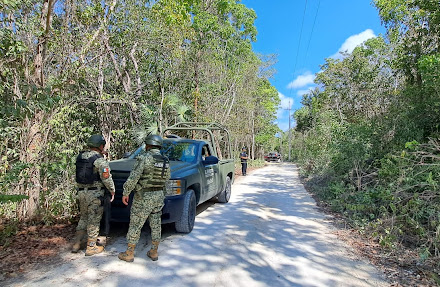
(243, 168)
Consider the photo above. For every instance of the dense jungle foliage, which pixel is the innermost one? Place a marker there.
(368, 138)
(72, 68)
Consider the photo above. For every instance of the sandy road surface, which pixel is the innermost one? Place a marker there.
(269, 234)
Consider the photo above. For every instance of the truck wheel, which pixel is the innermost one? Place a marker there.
(226, 193)
(186, 222)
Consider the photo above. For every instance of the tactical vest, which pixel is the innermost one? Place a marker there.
(85, 173)
(159, 171)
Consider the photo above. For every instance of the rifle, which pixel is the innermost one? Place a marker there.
(107, 205)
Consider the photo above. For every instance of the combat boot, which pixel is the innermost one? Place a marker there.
(92, 248)
(152, 253)
(79, 235)
(128, 255)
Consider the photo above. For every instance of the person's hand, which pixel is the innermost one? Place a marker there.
(125, 200)
(113, 197)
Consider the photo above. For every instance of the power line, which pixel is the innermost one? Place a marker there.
(297, 54)
(313, 27)
(300, 36)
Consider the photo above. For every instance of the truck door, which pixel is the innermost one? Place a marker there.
(211, 178)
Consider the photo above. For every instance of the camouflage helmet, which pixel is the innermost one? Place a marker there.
(96, 141)
(154, 140)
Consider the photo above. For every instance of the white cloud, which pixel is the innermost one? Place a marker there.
(284, 126)
(286, 102)
(354, 41)
(302, 81)
(300, 93)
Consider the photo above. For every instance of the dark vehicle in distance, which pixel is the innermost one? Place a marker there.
(273, 157)
(197, 174)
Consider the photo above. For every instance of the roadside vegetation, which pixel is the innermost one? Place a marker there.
(368, 138)
(71, 68)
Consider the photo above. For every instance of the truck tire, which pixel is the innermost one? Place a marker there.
(225, 195)
(186, 222)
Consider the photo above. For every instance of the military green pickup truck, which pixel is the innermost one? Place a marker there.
(202, 168)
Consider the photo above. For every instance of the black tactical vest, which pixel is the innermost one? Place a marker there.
(84, 169)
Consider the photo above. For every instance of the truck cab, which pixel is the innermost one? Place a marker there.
(201, 169)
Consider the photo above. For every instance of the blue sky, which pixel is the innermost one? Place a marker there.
(302, 33)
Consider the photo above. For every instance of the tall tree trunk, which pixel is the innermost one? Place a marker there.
(106, 123)
(30, 154)
(32, 139)
(252, 156)
(45, 23)
(196, 96)
(162, 98)
(196, 81)
(136, 68)
(228, 111)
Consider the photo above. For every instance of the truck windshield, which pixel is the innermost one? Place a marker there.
(180, 151)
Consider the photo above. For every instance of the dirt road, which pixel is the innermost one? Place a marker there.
(269, 234)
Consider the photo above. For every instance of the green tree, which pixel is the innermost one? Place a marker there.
(72, 68)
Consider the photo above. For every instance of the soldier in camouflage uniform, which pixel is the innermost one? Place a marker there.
(92, 177)
(147, 178)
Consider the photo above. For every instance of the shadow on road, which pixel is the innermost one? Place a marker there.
(270, 234)
(120, 229)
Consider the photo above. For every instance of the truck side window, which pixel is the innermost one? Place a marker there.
(205, 152)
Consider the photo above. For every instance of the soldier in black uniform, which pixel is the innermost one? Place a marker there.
(92, 177)
(243, 159)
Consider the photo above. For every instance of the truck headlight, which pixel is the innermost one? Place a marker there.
(174, 187)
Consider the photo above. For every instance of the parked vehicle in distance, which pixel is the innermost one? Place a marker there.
(202, 168)
(273, 157)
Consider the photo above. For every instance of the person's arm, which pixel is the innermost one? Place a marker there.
(106, 177)
(133, 179)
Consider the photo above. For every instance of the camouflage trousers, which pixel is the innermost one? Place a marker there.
(90, 211)
(145, 205)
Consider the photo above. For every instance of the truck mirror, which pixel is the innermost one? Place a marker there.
(210, 160)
